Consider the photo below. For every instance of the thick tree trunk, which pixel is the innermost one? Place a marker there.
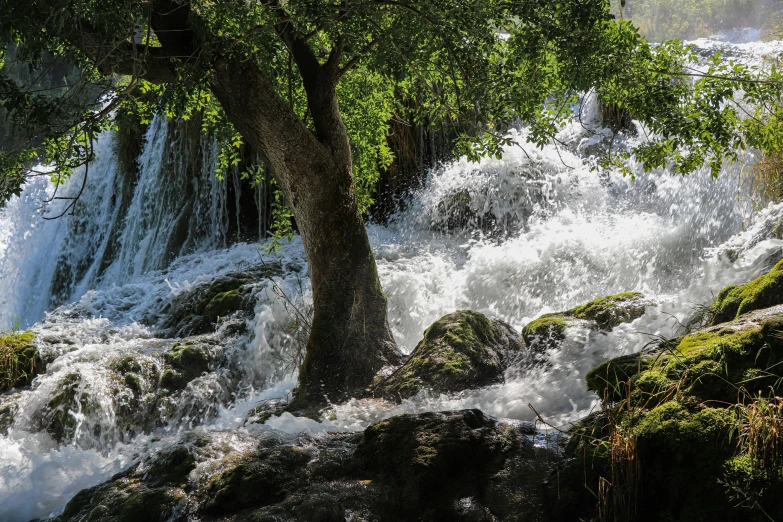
(350, 339)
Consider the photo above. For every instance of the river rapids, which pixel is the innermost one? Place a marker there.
(535, 232)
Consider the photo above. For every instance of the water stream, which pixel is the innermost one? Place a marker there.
(535, 232)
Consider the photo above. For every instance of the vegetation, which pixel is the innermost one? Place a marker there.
(19, 361)
(734, 300)
(661, 20)
(311, 87)
(691, 428)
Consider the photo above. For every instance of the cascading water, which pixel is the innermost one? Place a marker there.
(535, 232)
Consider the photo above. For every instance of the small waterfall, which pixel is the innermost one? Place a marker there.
(122, 226)
(536, 232)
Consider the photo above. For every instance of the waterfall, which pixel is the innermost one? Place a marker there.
(120, 228)
(534, 232)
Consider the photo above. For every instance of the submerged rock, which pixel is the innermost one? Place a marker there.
(604, 313)
(456, 466)
(129, 395)
(196, 310)
(460, 351)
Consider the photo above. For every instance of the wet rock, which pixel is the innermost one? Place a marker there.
(196, 310)
(19, 360)
(184, 362)
(677, 422)
(460, 351)
(604, 313)
(456, 466)
(733, 301)
(147, 492)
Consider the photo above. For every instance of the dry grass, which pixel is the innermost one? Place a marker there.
(764, 176)
(17, 358)
(759, 431)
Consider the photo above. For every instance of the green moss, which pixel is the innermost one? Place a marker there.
(19, 360)
(610, 311)
(186, 361)
(548, 326)
(762, 292)
(224, 304)
(133, 382)
(673, 425)
(459, 351)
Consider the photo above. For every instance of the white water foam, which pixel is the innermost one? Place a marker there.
(561, 235)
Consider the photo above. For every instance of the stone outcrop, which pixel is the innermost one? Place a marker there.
(460, 351)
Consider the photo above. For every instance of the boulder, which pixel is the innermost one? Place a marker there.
(459, 351)
(735, 300)
(603, 313)
(198, 309)
(460, 466)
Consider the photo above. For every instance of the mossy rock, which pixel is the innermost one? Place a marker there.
(197, 310)
(184, 362)
(712, 364)
(610, 311)
(547, 330)
(604, 312)
(20, 361)
(148, 491)
(460, 351)
(733, 301)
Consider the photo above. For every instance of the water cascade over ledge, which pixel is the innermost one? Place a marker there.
(538, 231)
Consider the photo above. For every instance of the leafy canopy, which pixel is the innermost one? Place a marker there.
(475, 67)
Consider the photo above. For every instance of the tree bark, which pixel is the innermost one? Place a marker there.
(350, 339)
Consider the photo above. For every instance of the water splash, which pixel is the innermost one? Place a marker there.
(535, 232)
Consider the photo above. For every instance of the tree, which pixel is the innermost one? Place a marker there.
(272, 70)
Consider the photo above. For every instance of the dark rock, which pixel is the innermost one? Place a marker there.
(450, 466)
(197, 310)
(460, 351)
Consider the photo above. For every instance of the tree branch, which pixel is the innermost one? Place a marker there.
(356, 59)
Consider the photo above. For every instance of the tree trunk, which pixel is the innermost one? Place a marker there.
(350, 339)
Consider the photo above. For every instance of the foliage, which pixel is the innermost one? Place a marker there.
(759, 431)
(661, 20)
(17, 359)
(476, 68)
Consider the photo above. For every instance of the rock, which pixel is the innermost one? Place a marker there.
(185, 361)
(460, 351)
(459, 466)
(19, 360)
(196, 311)
(733, 301)
(676, 424)
(604, 313)
(147, 491)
